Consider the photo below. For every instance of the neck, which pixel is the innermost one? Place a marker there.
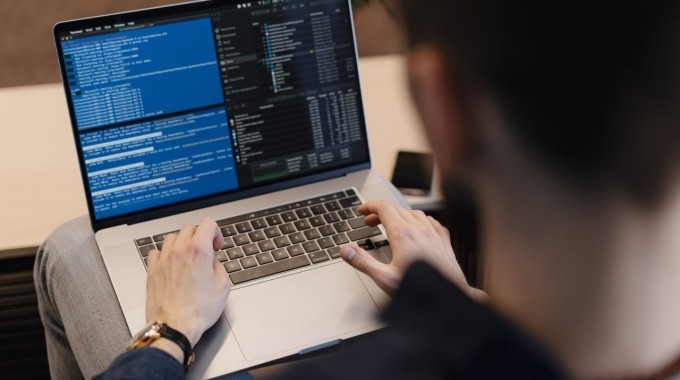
(593, 279)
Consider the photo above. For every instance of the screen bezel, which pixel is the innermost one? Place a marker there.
(210, 200)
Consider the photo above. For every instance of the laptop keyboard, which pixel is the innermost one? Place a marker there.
(284, 238)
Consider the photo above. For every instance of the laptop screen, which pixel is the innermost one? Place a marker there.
(182, 103)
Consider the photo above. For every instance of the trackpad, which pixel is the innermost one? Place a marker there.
(299, 311)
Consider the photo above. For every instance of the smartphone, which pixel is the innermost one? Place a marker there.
(413, 173)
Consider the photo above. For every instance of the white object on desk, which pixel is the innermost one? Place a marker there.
(41, 185)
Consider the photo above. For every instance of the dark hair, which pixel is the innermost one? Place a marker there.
(591, 89)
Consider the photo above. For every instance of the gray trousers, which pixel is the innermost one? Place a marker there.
(84, 326)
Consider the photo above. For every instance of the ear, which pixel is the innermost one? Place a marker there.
(440, 105)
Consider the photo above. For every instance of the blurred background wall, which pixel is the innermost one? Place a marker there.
(27, 55)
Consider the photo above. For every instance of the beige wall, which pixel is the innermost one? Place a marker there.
(26, 49)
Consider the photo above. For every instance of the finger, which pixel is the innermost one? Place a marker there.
(208, 231)
(442, 231)
(367, 264)
(421, 217)
(186, 233)
(361, 260)
(152, 259)
(372, 220)
(168, 245)
(387, 213)
(220, 272)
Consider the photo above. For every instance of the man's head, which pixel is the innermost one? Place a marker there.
(589, 90)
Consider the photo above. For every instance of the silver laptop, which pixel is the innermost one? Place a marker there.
(249, 113)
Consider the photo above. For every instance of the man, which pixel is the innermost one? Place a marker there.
(561, 121)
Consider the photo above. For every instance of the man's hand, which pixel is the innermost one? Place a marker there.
(186, 286)
(413, 237)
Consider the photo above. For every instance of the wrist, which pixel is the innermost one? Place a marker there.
(187, 331)
(169, 347)
(164, 337)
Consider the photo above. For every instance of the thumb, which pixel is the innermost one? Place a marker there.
(361, 260)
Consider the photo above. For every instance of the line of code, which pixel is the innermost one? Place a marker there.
(142, 73)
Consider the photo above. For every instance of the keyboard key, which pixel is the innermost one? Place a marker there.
(346, 214)
(316, 221)
(334, 252)
(382, 243)
(318, 257)
(159, 246)
(295, 250)
(264, 258)
(243, 227)
(287, 229)
(228, 243)
(326, 242)
(366, 245)
(248, 262)
(241, 240)
(146, 264)
(312, 234)
(232, 266)
(258, 224)
(297, 238)
(302, 225)
(350, 192)
(266, 245)
(251, 249)
(311, 246)
(234, 220)
(145, 250)
(327, 230)
(318, 209)
(341, 227)
(280, 254)
(235, 253)
(272, 232)
(282, 241)
(144, 241)
(350, 202)
(257, 236)
(333, 206)
(364, 233)
(303, 213)
(268, 270)
(332, 218)
(161, 237)
(357, 222)
(289, 216)
(274, 220)
(222, 256)
(340, 239)
(228, 231)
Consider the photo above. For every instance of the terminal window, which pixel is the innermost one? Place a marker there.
(206, 103)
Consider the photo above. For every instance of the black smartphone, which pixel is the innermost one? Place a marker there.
(413, 173)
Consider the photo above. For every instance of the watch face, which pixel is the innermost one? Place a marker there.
(144, 338)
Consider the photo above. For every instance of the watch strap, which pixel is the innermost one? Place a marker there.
(178, 338)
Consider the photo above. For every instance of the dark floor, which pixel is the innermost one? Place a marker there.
(22, 342)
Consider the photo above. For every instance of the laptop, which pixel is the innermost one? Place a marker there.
(249, 113)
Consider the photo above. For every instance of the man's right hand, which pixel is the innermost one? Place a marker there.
(413, 237)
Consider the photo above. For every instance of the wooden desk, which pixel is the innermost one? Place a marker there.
(41, 186)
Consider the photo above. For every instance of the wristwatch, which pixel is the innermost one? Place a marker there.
(156, 330)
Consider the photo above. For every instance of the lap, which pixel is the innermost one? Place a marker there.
(77, 303)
